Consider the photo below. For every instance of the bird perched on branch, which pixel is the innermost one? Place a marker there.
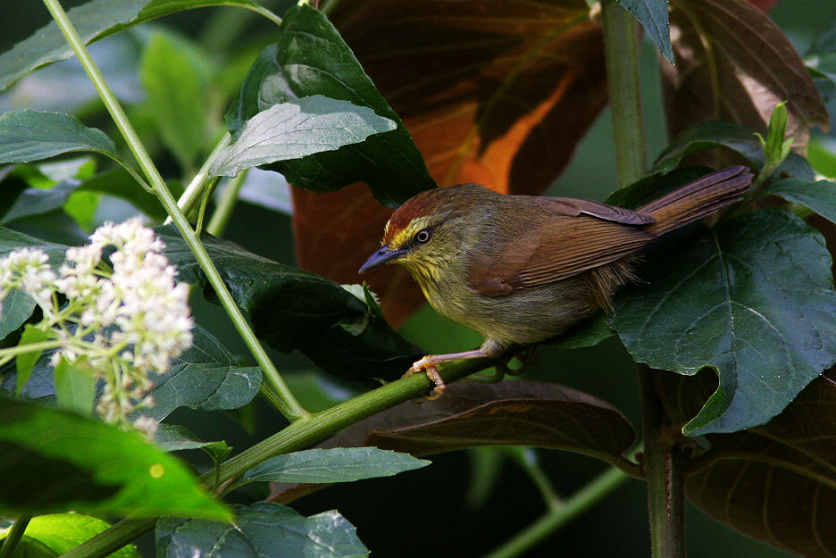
(523, 269)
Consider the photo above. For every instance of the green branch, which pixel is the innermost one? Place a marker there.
(15, 534)
(289, 407)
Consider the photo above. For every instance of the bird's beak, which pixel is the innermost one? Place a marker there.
(380, 257)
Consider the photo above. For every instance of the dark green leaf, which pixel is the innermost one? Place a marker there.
(15, 310)
(817, 196)
(117, 182)
(175, 77)
(709, 135)
(586, 334)
(389, 163)
(31, 135)
(59, 460)
(26, 361)
(173, 437)
(263, 530)
(752, 298)
(94, 20)
(333, 465)
(653, 15)
(205, 377)
(12, 240)
(61, 532)
(36, 201)
(294, 309)
(298, 128)
(75, 389)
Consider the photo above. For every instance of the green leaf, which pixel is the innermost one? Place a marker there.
(31, 135)
(82, 206)
(35, 201)
(205, 377)
(298, 128)
(94, 20)
(61, 532)
(653, 15)
(174, 437)
(586, 334)
(333, 465)
(60, 460)
(709, 135)
(175, 77)
(118, 183)
(389, 163)
(294, 309)
(75, 389)
(26, 361)
(817, 196)
(262, 530)
(822, 155)
(752, 298)
(15, 310)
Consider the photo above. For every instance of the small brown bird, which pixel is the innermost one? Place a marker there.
(523, 269)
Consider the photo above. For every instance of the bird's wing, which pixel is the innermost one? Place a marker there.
(553, 249)
(573, 207)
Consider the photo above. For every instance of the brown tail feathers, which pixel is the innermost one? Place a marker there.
(698, 199)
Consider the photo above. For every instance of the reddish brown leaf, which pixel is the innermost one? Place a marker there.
(734, 64)
(776, 482)
(492, 92)
(518, 412)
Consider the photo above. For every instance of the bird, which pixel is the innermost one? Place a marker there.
(522, 269)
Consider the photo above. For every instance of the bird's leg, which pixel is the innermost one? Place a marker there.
(490, 348)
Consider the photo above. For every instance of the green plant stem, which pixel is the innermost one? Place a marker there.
(665, 479)
(621, 45)
(664, 476)
(578, 503)
(298, 435)
(223, 212)
(526, 459)
(14, 536)
(200, 180)
(289, 407)
(29, 348)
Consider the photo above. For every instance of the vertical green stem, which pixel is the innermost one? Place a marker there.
(289, 406)
(621, 44)
(223, 212)
(14, 536)
(664, 476)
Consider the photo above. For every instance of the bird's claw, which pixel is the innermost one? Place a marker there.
(427, 365)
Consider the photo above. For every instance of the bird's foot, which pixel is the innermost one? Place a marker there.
(428, 365)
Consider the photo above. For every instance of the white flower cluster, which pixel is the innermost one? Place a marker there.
(121, 325)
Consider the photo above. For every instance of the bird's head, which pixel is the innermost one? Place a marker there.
(427, 232)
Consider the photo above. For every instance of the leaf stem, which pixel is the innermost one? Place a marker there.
(290, 407)
(15, 534)
(198, 183)
(28, 348)
(572, 507)
(223, 212)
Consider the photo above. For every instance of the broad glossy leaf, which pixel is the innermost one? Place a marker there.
(505, 91)
(709, 135)
(24, 363)
(310, 58)
(775, 482)
(175, 76)
(653, 15)
(734, 64)
(15, 309)
(297, 128)
(817, 196)
(333, 465)
(262, 530)
(508, 413)
(59, 460)
(75, 389)
(752, 298)
(94, 20)
(206, 377)
(294, 309)
(32, 135)
(35, 201)
(61, 532)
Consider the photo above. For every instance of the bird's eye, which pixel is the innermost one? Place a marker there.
(422, 236)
